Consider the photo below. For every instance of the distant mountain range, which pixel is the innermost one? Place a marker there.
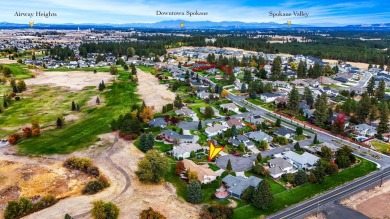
(175, 24)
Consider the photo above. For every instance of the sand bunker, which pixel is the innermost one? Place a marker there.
(152, 92)
(75, 80)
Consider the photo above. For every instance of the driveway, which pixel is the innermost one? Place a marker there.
(254, 150)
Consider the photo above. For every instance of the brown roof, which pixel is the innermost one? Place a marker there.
(234, 121)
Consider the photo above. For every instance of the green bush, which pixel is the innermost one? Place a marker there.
(96, 186)
(45, 202)
(83, 164)
(18, 208)
(103, 210)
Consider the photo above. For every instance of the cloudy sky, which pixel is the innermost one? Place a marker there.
(144, 11)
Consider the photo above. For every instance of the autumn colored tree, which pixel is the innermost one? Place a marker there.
(339, 124)
(224, 93)
(152, 167)
(27, 132)
(13, 139)
(36, 129)
(179, 167)
(192, 176)
(113, 70)
(150, 213)
(146, 114)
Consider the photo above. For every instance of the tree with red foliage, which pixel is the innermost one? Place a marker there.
(174, 120)
(339, 124)
(27, 132)
(179, 167)
(13, 139)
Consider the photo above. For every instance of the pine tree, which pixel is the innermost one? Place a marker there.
(383, 126)
(371, 86)
(380, 92)
(143, 142)
(73, 106)
(301, 71)
(59, 122)
(315, 140)
(194, 192)
(200, 125)
(234, 130)
(321, 112)
(363, 108)
(297, 147)
(276, 68)
(278, 122)
(301, 177)
(247, 77)
(229, 166)
(308, 96)
(293, 100)
(97, 101)
(77, 108)
(151, 140)
(262, 196)
(243, 88)
(103, 85)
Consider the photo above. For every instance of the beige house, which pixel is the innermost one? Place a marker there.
(205, 174)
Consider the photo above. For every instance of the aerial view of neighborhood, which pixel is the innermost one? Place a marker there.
(194, 110)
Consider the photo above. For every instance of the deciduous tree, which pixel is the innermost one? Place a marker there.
(152, 167)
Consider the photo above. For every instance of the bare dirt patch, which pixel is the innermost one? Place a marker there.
(75, 80)
(92, 101)
(71, 118)
(356, 64)
(152, 92)
(7, 61)
(374, 203)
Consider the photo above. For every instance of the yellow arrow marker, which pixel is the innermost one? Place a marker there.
(31, 24)
(181, 25)
(288, 23)
(213, 151)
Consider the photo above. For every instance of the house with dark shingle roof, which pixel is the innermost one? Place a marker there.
(157, 122)
(236, 185)
(285, 132)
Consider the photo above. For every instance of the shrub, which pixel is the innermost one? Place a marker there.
(13, 139)
(151, 214)
(96, 186)
(45, 202)
(217, 211)
(83, 164)
(103, 210)
(18, 208)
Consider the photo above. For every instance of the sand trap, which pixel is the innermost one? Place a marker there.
(152, 92)
(373, 203)
(75, 80)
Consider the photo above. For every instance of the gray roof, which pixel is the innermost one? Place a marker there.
(237, 184)
(188, 125)
(305, 158)
(234, 142)
(279, 162)
(284, 131)
(157, 122)
(242, 138)
(170, 134)
(258, 136)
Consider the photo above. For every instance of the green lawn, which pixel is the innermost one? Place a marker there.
(301, 118)
(213, 167)
(268, 106)
(82, 133)
(196, 107)
(300, 137)
(146, 68)
(308, 190)
(19, 71)
(381, 146)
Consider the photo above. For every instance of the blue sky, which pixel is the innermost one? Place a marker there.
(144, 11)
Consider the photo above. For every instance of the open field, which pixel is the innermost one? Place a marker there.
(19, 71)
(293, 196)
(373, 203)
(356, 64)
(7, 61)
(152, 92)
(75, 80)
(381, 146)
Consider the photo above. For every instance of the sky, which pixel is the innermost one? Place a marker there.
(144, 11)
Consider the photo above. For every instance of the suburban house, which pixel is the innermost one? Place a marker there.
(233, 121)
(169, 136)
(241, 139)
(255, 119)
(268, 97)
(205, 174)
(279, 166)
(285, 132)
(206, 95)
(203, 109)
(365, 130)
(157, 122)
(317, 149)
(259, 136)
(305, 160)
(236, 185)
(215, 130)
(184, 150)
(185, 112)
(230, 106)
(188, 125)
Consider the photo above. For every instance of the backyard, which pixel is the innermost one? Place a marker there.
(380, 146)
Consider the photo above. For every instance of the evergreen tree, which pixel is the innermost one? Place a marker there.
(247, 76)
(371, 86)
(200, 125)
(97, 101)
(293, 100)
(178, 102)
(262, 196)
(276, 68)
(59, 122)
(194, 192)
(67, 216)
(315, 140)
(113, 70)
(278, 122)
(77, 108)
(103, 85)
(380, 92)
(363, 108)
(383, 126)
(208, 112)
(321, 112)
(297, 147)
(143, 142)
(229, 166)
(73, 106)
(234, 130)
(309, 96)
(299, 130)
(301, 71)
(133, 70)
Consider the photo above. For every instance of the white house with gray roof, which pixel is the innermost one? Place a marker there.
(236, 185)
(279, 166)
(184, 150)
(259, 136)
(305, 160)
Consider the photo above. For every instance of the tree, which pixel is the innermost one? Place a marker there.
(133, 70)
(113, 70)
(326, 152)
(276, 68)
(259, 157)
(299, 130)
(381, 90)
(7, 72)
(200, 125)
(247, 77)
(146, 114)
(146, 142)
(339, 124)
(278, 122)
(247, 194)
(97, 101)
(343, 161)
(383, 126)
(363, 108)
(371, 86)
(234, 131)
(194, 192)
(293, 100)
(208, 112)
(104, 210)
(308, 96)
(319, 171)
(229, 166)
(301, 71)
(243, 88)
(17, 208)
(178, 102)
(60, 122)
(21, 86)
(150, 213)
(260, 170)
(332, 169)
(125, 67)
(67, 216)
(262, 195)
(301, 177)
(321, 112)
(192, 176)
(152, 167)
(315, 140)
(297, 147)
(224, 93)
(179, 167)
(73, 106)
